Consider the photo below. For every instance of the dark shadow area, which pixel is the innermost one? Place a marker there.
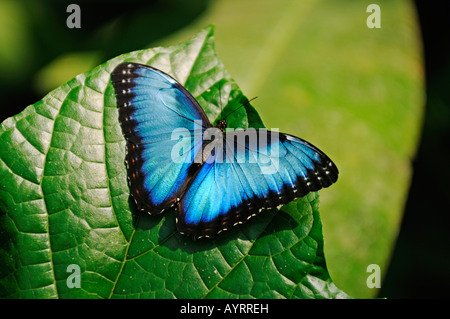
(262, 225)
(142, 220)
(421, 260)
(109, 27)
(258, 227)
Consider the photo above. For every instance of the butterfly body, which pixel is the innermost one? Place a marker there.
(222, 125)
(215, 178)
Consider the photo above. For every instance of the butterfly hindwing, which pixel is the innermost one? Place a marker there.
(249, 177)
(163, 126)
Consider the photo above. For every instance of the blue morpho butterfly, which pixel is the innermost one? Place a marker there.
(215, 183)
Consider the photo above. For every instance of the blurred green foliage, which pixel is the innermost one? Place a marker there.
(318, 71)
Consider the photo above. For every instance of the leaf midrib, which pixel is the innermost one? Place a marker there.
(44, 197)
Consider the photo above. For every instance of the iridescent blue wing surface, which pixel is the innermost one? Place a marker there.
(240, 178)
(163, 126)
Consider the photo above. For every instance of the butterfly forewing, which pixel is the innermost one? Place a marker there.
(155, 113)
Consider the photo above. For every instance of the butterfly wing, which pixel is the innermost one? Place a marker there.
(163, 125)
(249, 177)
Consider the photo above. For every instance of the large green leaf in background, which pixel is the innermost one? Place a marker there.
(64, 200)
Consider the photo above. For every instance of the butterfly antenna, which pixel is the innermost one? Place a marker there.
(242, 105)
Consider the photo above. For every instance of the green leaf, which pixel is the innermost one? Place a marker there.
(64, 200)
